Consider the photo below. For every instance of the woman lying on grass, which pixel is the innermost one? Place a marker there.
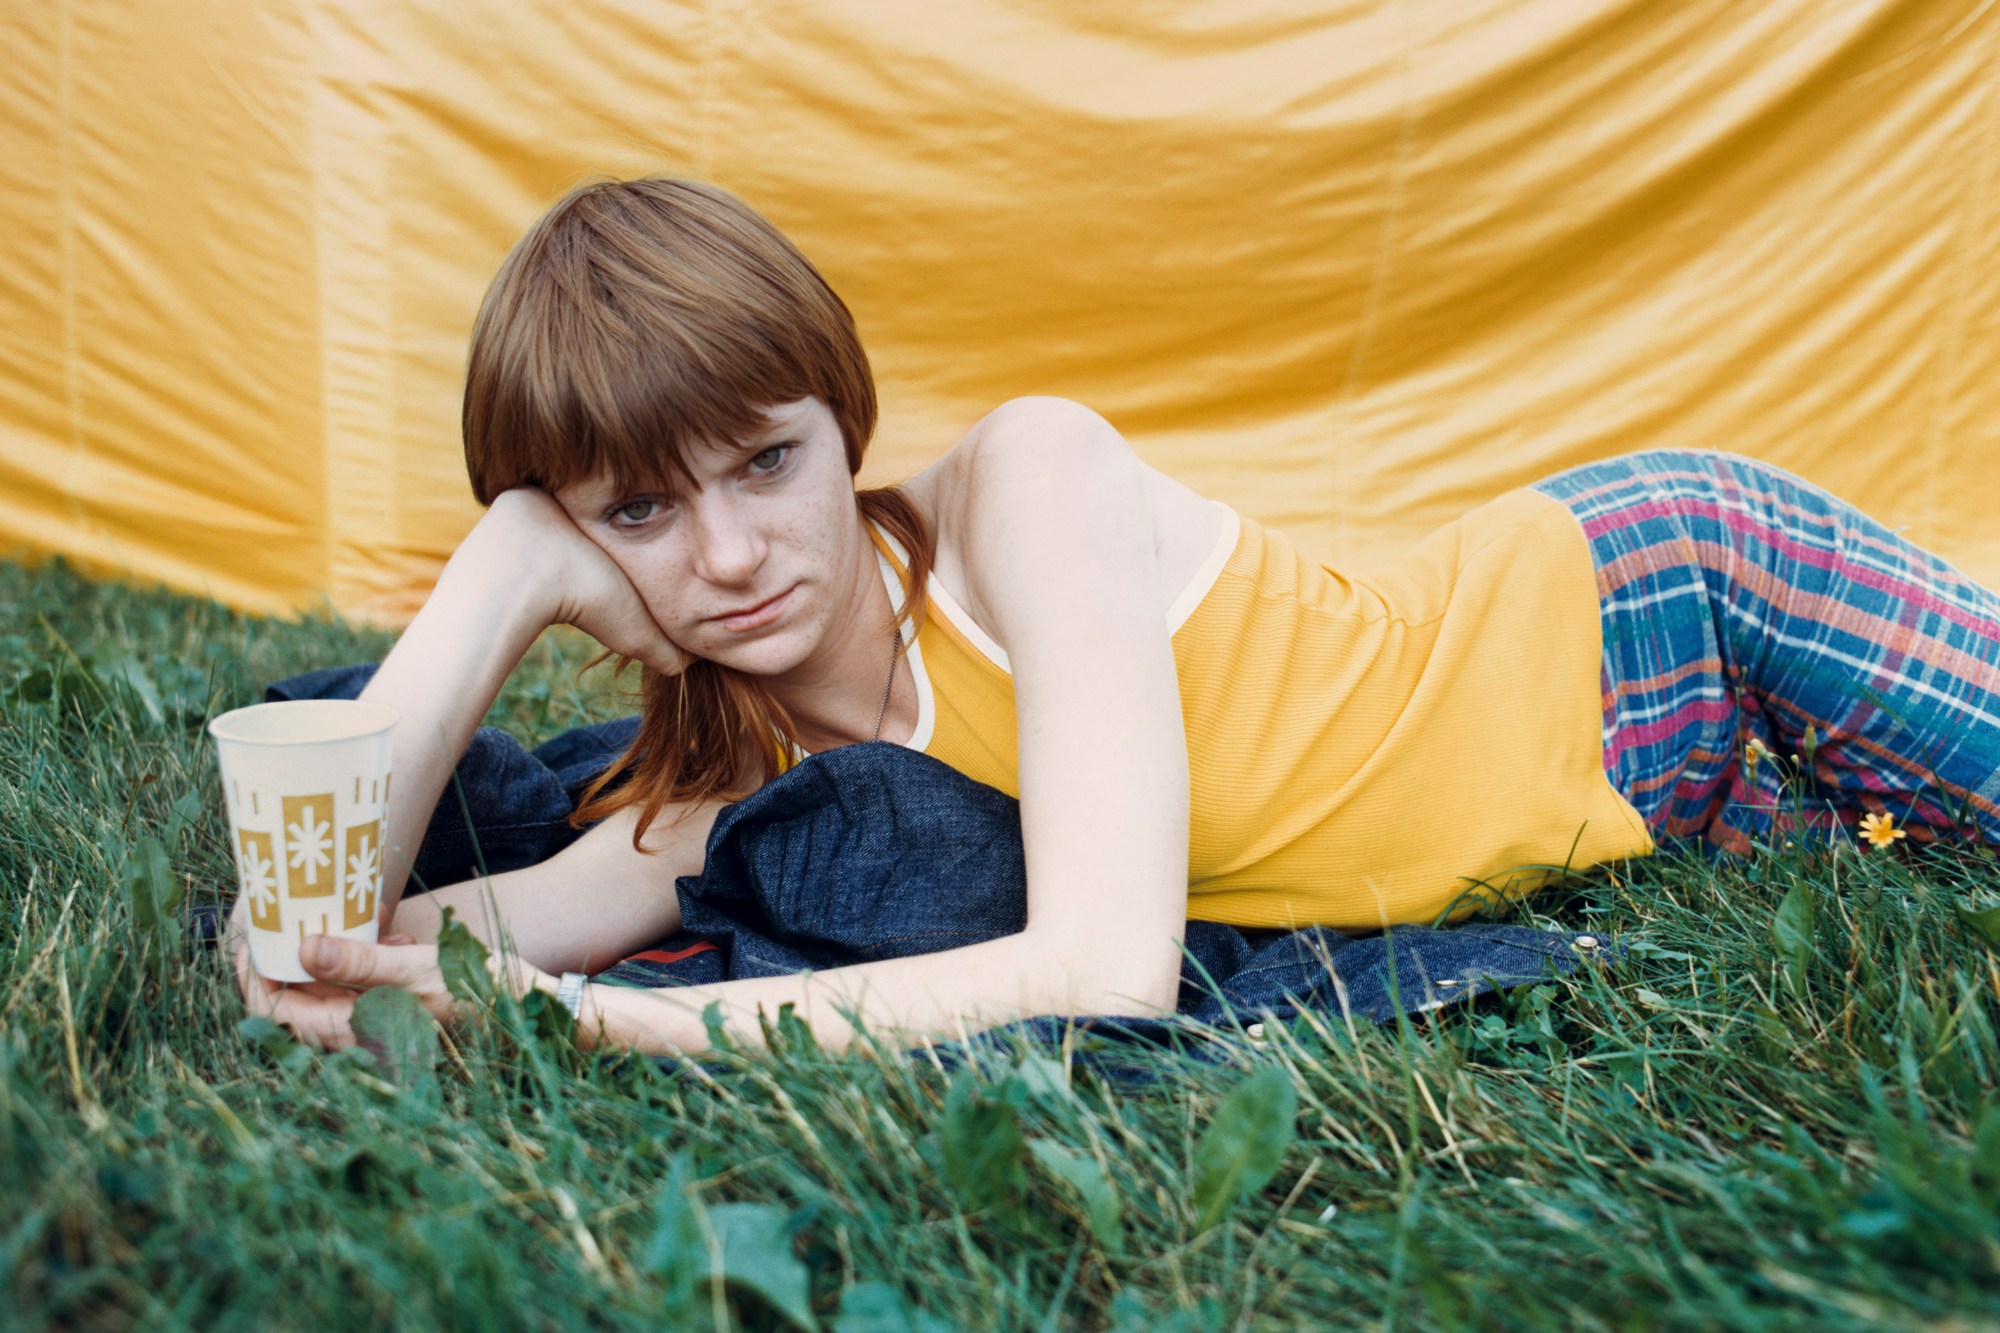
(664, 413)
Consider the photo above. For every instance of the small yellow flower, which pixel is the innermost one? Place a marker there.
(1880, 830)
(1754, 751)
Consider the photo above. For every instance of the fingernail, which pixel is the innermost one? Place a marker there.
(320, 953)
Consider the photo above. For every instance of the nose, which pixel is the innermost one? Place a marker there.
(728, 548)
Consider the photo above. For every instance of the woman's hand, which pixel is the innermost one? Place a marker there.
(321, 1013)
(527, 539)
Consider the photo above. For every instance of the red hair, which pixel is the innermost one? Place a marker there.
(633, 320)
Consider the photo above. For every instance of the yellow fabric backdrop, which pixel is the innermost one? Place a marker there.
(1351, 267)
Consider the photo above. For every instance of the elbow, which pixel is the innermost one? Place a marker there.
(1159, 999)
(1144, 983)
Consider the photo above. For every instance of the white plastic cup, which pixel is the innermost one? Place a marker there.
(306, 786)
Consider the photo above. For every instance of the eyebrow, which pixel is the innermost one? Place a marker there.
(615, 496)
(778, 433)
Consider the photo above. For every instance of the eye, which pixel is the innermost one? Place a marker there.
(771, 460)
(622, 516)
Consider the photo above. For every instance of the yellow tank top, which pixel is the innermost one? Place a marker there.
(1362, 751)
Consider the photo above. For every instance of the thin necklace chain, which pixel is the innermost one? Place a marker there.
(889, 685)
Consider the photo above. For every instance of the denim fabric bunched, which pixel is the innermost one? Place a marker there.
(877, 851)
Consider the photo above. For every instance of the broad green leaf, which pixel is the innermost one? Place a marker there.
(70, 677)
(186, 813)
(1081, 1172)
(262, 1031)
(1983, 919)
(677, 1252)
(1792, 930)
(1043, 1079)
(1131, 1314)
(790, 1033)
(392, 1025)
(1871, 1223)
(754, 1253)
(718, 1031)
(981, 1150)
(546, 1017)
(1648, 949)
(382, 1167)
(874, 1307)
(1244, 1144)
(151, 887)
(462, 961)
(138, 682)
(276, 1042)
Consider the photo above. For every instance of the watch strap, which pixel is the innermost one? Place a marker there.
(570, 993)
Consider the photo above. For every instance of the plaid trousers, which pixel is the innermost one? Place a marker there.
(1742, 604)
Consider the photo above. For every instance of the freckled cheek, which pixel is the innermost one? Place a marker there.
(662, 582)
(825, 524)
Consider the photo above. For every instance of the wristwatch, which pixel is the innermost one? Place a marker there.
(570, 993)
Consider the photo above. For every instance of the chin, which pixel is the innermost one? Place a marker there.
(776, 655)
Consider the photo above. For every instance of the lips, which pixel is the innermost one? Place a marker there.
(750, 617)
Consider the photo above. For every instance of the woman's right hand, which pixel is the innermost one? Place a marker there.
(317, 1011)
(532, 542)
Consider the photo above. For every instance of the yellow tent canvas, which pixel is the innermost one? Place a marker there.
(1350, 268)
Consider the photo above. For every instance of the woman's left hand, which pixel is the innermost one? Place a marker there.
(322, 1013)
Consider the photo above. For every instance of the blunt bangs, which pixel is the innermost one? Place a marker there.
(639, 320)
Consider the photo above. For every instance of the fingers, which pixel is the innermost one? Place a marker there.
(322, 1017)
(600, 600)
(321, 1013)
(255, 988)
(363, 965)
(318, 1014)
(671, 661)
(630, 631)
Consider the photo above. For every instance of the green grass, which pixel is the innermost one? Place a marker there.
(1762, 1119)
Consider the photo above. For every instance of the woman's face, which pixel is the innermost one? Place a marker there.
(753, 565)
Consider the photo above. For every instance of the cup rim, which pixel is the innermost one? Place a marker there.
(370, 717)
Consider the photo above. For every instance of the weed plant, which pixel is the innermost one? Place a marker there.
(1776, 1110)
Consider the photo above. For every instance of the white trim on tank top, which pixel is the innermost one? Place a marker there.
(1184, 604)
(926, 707)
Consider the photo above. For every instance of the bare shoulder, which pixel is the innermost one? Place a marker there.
(998, 474)
(1021, 432)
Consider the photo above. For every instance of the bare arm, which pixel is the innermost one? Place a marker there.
(581, 910)
(1057, 531)
(584, 908)
(524, 567)
(441, 677)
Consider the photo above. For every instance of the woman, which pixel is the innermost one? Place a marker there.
(665, 410)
